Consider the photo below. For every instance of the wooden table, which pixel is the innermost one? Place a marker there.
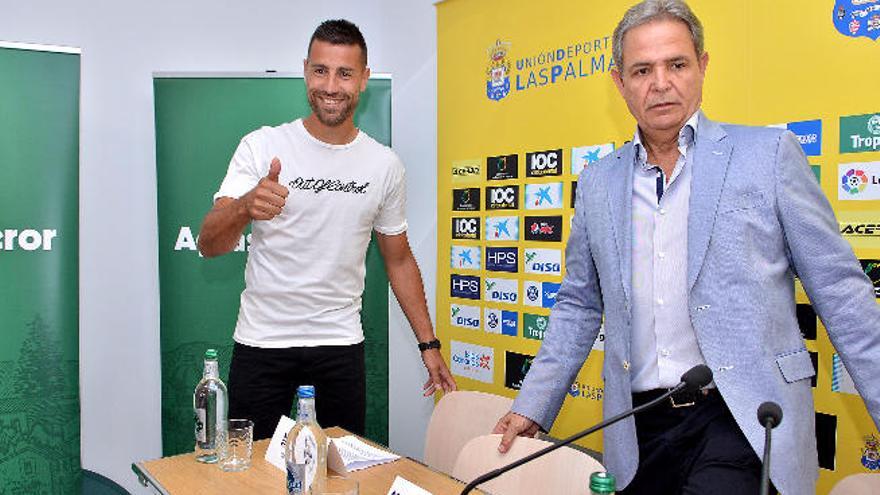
(182, 475)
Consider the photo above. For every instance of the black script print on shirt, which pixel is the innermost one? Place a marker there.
(332, 185)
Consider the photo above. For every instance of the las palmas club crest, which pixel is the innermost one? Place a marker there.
(498, 71)
(871, 453)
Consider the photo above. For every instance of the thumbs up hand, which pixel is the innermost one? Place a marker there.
(266, 200)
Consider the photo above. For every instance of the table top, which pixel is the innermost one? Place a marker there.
(181, 474)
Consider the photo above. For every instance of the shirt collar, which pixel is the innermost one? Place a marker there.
(686, 137)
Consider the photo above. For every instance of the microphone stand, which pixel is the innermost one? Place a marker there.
(503, 469)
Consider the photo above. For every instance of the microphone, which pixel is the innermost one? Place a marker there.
(692, 380)
(769, 415)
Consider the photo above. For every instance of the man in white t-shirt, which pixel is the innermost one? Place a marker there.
(315, 189)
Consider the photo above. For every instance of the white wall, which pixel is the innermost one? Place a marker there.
(123, 43)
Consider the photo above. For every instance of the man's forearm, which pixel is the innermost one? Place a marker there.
(222, 227)
(406, 282)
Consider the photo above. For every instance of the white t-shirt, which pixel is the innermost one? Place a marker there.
(305, 269)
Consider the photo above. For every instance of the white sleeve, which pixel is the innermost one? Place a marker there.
(243, 174)
(391, 218)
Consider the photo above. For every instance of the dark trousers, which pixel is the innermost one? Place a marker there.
(696, 450)
(263, 382)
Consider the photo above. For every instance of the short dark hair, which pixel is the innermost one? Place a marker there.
(340, 32)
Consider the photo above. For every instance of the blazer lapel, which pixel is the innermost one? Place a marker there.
(712, 151)
(619, 187)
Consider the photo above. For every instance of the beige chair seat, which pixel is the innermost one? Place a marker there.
(565, 471)
(858, 484)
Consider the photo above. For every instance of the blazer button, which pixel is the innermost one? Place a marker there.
(626, 365)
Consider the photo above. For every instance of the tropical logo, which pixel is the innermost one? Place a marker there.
(860, 133)
(498, 71)
(857, 18)
(534, 326)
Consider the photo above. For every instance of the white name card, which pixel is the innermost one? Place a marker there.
(402, 486)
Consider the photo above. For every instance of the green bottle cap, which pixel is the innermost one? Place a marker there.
(211, 354)
(602, 482)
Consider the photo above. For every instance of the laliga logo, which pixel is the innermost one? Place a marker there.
(854, 181)
(498, 71)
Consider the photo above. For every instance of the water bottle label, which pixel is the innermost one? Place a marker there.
(201, 430)
(305, 452)
(295, 475)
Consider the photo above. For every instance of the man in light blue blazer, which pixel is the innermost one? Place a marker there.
(687, 240)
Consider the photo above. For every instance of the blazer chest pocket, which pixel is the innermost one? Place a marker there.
(795, 365)
(746, 201)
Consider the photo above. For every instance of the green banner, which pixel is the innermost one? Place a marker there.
(860, 133)
(39, 295)
(199, 123)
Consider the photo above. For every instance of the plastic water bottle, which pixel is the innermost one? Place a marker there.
(602, 483)
(210, 407)
(305, 451)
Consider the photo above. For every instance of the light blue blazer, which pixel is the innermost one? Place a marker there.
(757, 219)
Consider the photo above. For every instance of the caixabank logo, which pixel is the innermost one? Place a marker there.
(466, 228)
(467, 199)
(872, 270)
(516, 367)
(502, 197)
(859, 181)
(502, 228)
(464, 286)
(860, 133)
(464, 257)
(501, 321)
(543, 228)
(543, 196)
(584, 156)
(544, 163)
(472, 361)
(502, 167)
(464, 316)
(502, 259)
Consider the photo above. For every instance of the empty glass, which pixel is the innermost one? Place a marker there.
(239, 445)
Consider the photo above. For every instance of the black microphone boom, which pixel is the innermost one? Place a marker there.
(769, 415)
(693, 379)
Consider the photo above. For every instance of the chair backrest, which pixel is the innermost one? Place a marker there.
(457, 418)
(564, 471)
(857, 484)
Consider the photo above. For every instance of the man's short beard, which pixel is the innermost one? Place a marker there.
(332, 120)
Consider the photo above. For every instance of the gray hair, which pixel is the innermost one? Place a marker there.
(655, 10)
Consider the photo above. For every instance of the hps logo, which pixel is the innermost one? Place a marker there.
(465, 286)
(860, 133)
(465, 257)
(467, 228)
(502, 198)
(502, 259)
(502, 228)
(501, 290)
(502, 167)
(465, 316)
(546, 261)
(466, 199)
(27, 239)
(544, 163)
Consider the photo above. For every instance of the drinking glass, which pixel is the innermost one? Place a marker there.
(239, 445)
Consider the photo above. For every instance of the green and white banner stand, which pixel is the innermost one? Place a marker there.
(39, 269)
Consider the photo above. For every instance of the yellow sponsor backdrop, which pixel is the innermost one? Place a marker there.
(770, 63)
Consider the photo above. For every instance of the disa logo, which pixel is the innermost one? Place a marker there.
(465, 316)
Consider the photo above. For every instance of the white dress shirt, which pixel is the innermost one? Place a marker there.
(664, 344)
